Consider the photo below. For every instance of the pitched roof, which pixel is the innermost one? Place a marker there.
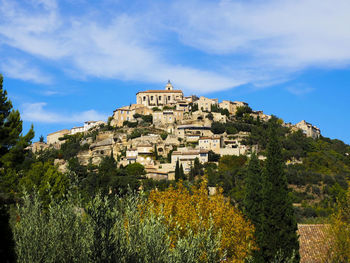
(314, 246)
(160, 91)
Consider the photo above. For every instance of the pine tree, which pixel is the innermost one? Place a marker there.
(12, 142)
(253, 200)
(12, 154)
(177, 171)
(278, 233)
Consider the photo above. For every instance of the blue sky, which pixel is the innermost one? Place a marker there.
(66, 62)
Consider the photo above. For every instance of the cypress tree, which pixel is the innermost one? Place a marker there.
(253, 201)
(278, 233)
(177, 171)
(182, 173)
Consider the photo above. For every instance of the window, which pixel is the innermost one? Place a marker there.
(168, 97)
(151, 97)
(121, 112)
(160, 97)
(144, 98)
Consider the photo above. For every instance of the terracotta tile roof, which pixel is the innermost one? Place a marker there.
(314, 246)
(160, 91)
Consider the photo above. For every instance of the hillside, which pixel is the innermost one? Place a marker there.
(166, 136)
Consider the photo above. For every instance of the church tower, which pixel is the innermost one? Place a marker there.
(169, 86)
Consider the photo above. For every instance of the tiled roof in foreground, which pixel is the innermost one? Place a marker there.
(314, 245)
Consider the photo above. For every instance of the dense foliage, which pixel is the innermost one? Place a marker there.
(112, 229)
(187, 211)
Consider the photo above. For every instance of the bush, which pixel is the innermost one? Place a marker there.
(217, 128)
(134, 134)
(147, 118)
(164, 135)
(111, 229)
(130, 124)
(242, 110)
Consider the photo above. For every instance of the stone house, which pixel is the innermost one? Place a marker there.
(183, 131)
(308, 129)
(232, 106)
(187, 157)
(166, 117)
(210, 143)
(127, 113)
(204, 104)
(53, 138)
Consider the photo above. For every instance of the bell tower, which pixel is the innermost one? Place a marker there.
(169, 86)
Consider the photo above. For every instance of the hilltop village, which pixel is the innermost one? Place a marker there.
(165, 127)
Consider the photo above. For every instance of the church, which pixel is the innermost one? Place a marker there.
(155, 98)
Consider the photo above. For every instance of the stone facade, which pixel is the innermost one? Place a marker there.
(186, 158)
(232, 106)
(159, 98)
(308, 129)
(210, 144)
(53, 138)
(127, 113)
(204, 103)
(166, 117)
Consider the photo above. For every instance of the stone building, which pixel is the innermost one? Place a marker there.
(204, 103)
(87, 126)
(167, 117)
(53, 138)
(187, 157)
(232, 106)
(210, 143)
(308, 129)
(159, 98)
(127, 113)
(184, 131)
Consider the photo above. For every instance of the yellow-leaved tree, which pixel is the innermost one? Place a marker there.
(187, 211)
(340, 231)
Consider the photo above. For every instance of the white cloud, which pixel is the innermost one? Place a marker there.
(36, 112)
(21, 69)
(255, 42)
(300, 89)
(118, 49)
(291, 34)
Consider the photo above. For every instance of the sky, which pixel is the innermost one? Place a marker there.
(69, 61)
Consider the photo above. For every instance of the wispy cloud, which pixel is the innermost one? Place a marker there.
(36, 112)
(300, 89)
(252, 41)
(21, 69)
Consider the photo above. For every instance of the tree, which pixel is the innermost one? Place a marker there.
(13, 151)
(136, 170)
(12, 142)
(182, 173)
(156, 156)
(41, 139)
(253, 200)
(217, 127)
(177, 171)
(45, 179)
(278, 233)
(241, 110)
(339, 231)
(187, 211)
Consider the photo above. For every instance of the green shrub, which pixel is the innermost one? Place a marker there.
(107, 229)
